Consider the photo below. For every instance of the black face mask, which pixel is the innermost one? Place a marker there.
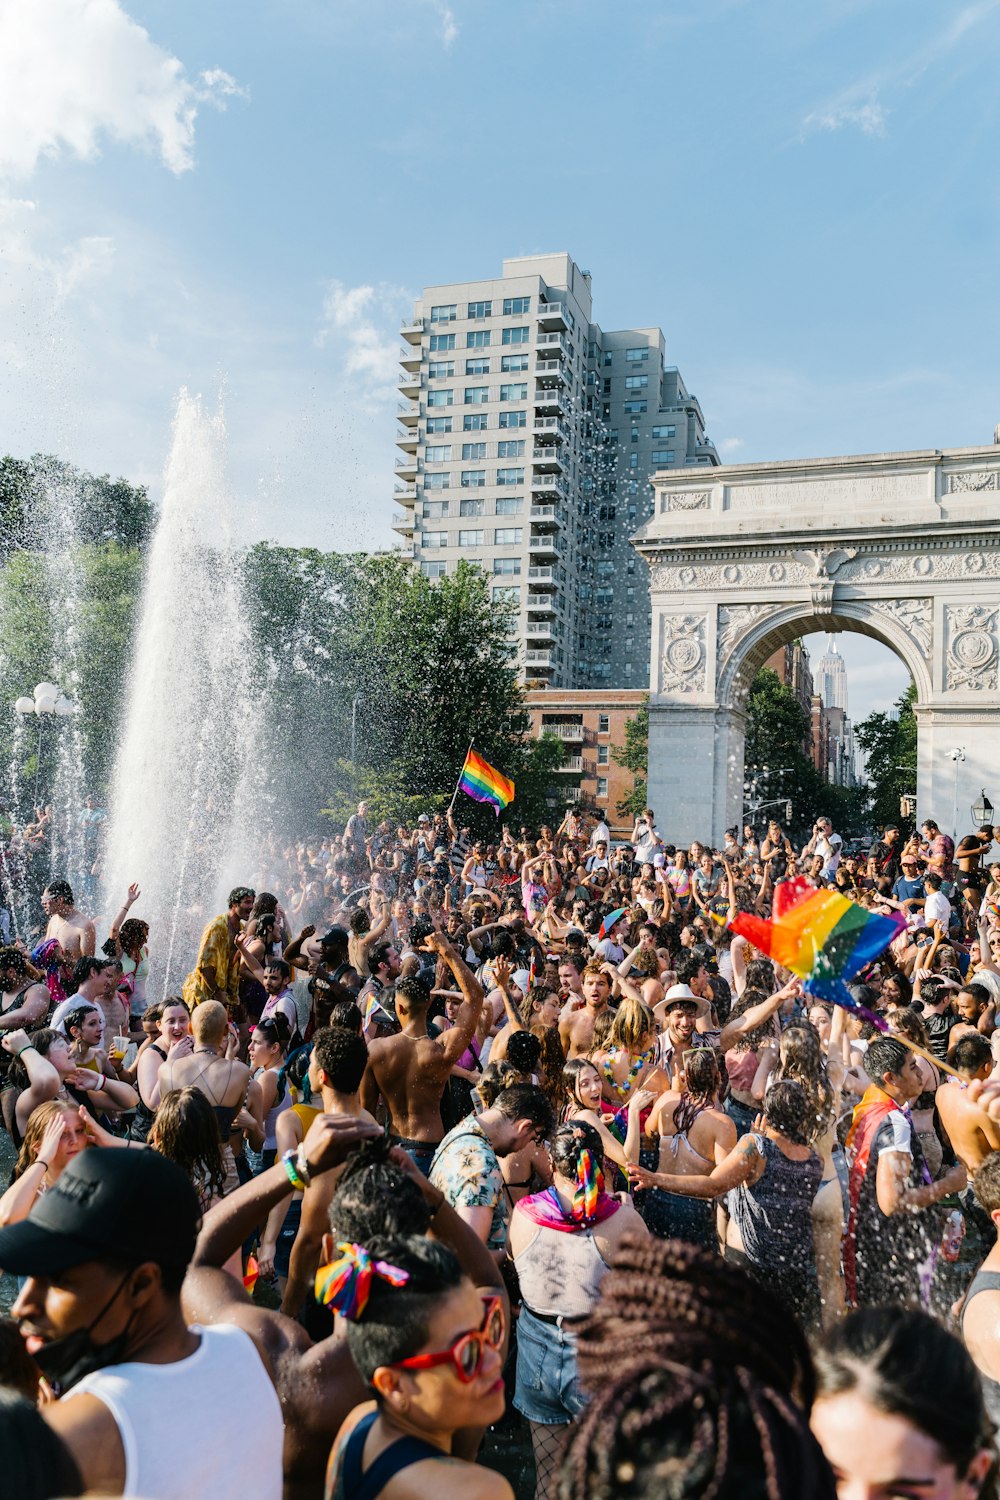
(66, 1361)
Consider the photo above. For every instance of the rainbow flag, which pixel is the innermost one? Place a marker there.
(821, 936)
(483, 782)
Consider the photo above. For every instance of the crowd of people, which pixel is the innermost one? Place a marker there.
(444, 1134)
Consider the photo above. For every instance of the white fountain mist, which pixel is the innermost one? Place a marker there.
(184, 797)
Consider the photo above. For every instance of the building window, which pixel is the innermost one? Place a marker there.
(437, 481)
(633, 460)
(636, 382)
(508, 536)
(440, 342)
(446, 312)
(471, 538)
(634, 408)
(473, 479)
(634, 356)
(480, 309)
(433, 569)
(507, 565)
(604, 723)
(607, 387)
(516, 392)
(434, 539)
(441, 398)
(662, 456)
(438, 453)
(513, 307)
(472, 451)
(471, 507)
(508, 592)
(478, 339)
(602, 781)
(608, 357)
(477, 366)
(510, 476)
(475, 421)
(438, 424)
(513, 419)
(515, 336)
(661, 434)
(435, 509)
(510, 364)
(511, 507)
(511, 448)
(603, 754)
(477, 395)
(627, 669)
(441, 369)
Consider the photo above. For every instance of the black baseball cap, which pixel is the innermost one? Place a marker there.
(109, 1203)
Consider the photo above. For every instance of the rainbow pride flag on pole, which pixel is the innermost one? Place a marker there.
(484, 782)
(822, 937)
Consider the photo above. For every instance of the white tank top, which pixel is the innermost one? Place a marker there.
(210, 1424)
(560, 1272)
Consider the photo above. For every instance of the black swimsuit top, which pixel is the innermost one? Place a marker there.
(353, 1483)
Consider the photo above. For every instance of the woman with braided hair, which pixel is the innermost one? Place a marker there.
(698, 1384)
(561, 1241)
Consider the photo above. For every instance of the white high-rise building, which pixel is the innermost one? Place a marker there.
(831, 677)
(529, 436)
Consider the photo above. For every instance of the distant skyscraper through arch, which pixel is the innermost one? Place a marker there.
(831, 677)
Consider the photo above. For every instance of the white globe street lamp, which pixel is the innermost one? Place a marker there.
(46, 701)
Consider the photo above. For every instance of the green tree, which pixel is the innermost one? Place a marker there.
(890, 746)
(777, 728)
(634, 756)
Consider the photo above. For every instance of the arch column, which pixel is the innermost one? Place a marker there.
(695, 783)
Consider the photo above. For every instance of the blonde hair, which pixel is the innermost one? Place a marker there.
(632, 1025)
(208, 1021)
(38, 1123)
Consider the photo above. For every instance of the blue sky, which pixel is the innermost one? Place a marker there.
(245, 198)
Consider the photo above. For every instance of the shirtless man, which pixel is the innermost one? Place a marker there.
(973, 1134)
(980, 1315)
(212, 1067)
(24, 1004)
(576, 1030)
(410, 1070)
(74, 932)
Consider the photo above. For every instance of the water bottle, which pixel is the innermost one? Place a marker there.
(954, 1234)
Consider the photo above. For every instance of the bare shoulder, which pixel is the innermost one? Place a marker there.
(423, 1481)
(91, 1434)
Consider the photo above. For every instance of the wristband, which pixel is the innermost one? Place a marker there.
(99, 1086)
(302, 1165)
(438, 1205)
(292, 1172)
(40, 1162)
(29, 1047)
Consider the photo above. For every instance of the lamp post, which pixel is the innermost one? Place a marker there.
(982, 811)
(46, 701)
(958, 756)
(359, 699)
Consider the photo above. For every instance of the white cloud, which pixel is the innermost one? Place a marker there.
(89, 259)
(868, 118)
(731, 445)
(449, 26)
(363, 322)
(75, 71)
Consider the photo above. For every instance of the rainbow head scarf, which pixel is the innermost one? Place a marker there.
(823, 938)
(590, 1205)
(484, 783)
(346, 1283)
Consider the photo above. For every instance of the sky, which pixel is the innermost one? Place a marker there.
(243, 199)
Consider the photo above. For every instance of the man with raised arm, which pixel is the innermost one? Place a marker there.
(410, 1070)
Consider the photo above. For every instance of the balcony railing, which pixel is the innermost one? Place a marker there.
(540, 575)
(571, 763)
(543, 602)
(572, 732)
(538, 658)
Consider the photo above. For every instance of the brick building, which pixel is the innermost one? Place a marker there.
(590, 724)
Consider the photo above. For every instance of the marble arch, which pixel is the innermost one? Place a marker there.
(902, 547)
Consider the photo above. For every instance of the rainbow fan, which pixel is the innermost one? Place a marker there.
(822, 937)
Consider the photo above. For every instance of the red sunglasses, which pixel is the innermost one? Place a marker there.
(467, 1352)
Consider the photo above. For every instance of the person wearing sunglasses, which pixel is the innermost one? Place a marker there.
(431, 1346)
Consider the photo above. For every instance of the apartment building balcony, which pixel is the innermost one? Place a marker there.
(541, 604)
(408, 412)
(411, 358)
(550, 369)
(405, 494)
(548, 484)
(572, 733)
(539, 661)
(548, 458)
(544, 545)
(572, 763)
(542, 577)
(550, 344)
(546, 516)
(552, 315)
(549, 429)
(406, 468)
(409, 383)
(548, 399)
(539, 634)
(404, 524)
(408, 553)
(408, 441)
(412, 330)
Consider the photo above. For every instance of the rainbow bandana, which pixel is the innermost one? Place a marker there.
(346, 1283)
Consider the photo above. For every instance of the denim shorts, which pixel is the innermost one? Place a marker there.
(546, 1389)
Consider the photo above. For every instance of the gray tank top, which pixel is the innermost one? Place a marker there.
(986, 1281)
(773, 1215)
(560, 1273)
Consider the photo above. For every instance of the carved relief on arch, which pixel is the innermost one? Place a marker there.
(971, 656)
(915, 616)
(735, 620)
(683, 662)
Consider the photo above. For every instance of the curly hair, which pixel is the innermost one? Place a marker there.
(802, 1060)
(699, 1384)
